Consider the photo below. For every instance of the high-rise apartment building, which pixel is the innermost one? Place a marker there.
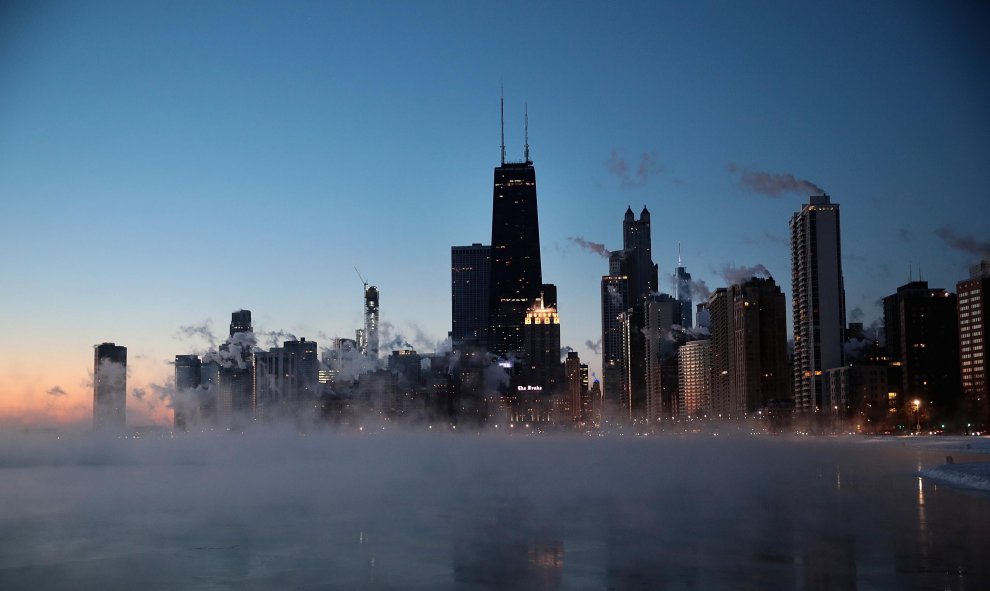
(749, 348)
(109, 387)
(974, 324)
(694, 368)
(922, 326)
(819, 303)
(661, 312)
(576, 384)
(470, 267)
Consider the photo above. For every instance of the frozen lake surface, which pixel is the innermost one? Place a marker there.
(277, 510)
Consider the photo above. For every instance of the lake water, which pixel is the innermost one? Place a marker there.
(274, 510)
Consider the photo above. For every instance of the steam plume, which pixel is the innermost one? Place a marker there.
(734, 275)
(774, 184)
(595, 247)
(963, 242)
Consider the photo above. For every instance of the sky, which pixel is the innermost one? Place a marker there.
(164, 164)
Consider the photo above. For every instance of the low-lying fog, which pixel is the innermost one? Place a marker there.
(277, 509)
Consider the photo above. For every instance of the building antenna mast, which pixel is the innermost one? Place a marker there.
(679, 264)
(527, 133)
(501, 108)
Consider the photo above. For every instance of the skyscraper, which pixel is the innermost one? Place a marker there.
(923, 334)
(185, 405)
(576, 384)
(974, 328)
(286, 380)
(682, 292)
(637, 244)
(541, 335)
(615, 392)
(516, 272)
(694, 367)
(236, 389)
(371, 312)
(749, 348)
(109, 387)
(819, 305)
(470, 267)
(660, 314)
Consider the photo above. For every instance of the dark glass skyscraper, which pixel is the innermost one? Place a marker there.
(109, 387)
(516, 273)
(470, 267)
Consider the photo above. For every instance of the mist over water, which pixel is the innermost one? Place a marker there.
(280, 509)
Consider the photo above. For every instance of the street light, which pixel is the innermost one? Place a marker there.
(917, 415)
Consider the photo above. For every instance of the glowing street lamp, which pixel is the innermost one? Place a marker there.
(917, 414)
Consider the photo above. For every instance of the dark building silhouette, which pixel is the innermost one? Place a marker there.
(235, 380)
(660, 315)
(923, 334)
(819, 301)
(637, 244)
(287, 381)
(615, 390)
(188, 373)
(749, 348)
(974, 328)
(516, 272)
(470, 267)
(682, 293)
(541, 335)
(109, 387)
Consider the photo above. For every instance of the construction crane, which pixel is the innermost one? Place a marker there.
(363, 280)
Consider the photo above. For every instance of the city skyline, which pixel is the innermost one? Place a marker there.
(162, 257)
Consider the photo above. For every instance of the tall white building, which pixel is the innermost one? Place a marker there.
(819, 301)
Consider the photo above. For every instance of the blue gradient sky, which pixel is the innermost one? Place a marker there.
(162, 164)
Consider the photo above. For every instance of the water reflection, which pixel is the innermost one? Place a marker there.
(563, 514)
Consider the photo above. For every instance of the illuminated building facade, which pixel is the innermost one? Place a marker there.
(541, 334)
(109, 387)
(694, 370)
(974, 321)
(819, 301)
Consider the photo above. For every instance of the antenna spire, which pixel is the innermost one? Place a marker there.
(501, 108)
(679, 264)
(527, 133)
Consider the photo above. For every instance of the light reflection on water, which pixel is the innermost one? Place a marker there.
(408, 512)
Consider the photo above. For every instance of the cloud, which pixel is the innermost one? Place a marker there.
(139, 393)
(963, 243)
(619, 166)
(595, 346)
(773, 184)
(56, 391)
(564, 351)
(856, 315)
(595, 247)
(734, 275)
